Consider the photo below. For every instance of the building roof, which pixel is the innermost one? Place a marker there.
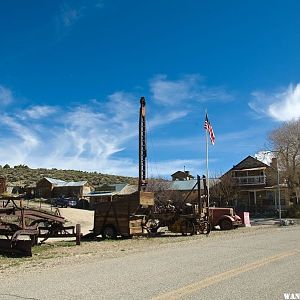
(110, 187)
(120, 189)
(249, 163)
(61, 183)
(182, 174)
(187, 185)
(128, 189)
(119, 186)
(182, 185)
(98, 194)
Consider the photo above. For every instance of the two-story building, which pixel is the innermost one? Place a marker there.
(256, 186)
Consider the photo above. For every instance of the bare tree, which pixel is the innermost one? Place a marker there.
(225, 190)
(286, 141)
(161, 189)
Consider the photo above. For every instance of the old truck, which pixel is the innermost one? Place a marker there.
(224, 217)
(124, 216)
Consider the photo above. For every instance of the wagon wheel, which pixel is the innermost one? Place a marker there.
(152, 225)
(187, 227)
(205, 227)
(57, 212)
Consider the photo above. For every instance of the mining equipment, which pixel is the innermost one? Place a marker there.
(137, 214)
(126, 215)
(21, 227)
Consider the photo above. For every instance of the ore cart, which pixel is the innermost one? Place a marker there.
(124, 216)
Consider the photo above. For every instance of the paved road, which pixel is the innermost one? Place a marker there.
(261, 266)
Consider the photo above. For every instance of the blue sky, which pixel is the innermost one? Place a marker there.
(72, 74)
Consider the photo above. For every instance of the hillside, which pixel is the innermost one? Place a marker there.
(24, 176)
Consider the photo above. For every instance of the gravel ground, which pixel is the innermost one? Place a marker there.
(59, 253)
(64, 253)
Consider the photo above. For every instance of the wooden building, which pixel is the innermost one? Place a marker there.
(107, 192)
(51, 188)
(181, 176)
(256, 186)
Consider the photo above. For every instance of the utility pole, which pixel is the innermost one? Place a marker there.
(278, 189)
(278, 182)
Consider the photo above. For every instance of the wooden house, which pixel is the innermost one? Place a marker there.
(107, 192)
(51, 188)
(181, 176)
(256, 186)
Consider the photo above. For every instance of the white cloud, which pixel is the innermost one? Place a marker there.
(39, 111)
(167, 118)
(265, 156)
(18, 143)
(91, 136)
(188, 89)
(70, 15)
(6, 95)
(281, 106)
(86, 137)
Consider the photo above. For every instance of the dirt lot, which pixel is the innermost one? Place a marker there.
(79, 216)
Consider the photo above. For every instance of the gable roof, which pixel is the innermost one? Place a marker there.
(182, 174)
(61, 183)
(187, 185)
(110, 187)
(55, 181)
(182, 185)
(249, 163)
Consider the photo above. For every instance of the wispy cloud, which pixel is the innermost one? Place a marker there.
(6, 95)
(283, 105)
(167, 118)
(91, 136)
(70, 16)
(70, 13)
(187, 89)
(39, 111)
(87, 137)
(18, 142)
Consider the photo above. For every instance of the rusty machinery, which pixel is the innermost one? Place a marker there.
(17, 222)
(142, 146)
(186, 218)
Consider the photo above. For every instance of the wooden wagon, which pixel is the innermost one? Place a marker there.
(124, 216)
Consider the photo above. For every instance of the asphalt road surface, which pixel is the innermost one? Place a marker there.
(236, 266)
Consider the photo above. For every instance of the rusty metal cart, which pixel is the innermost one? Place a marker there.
(21, 227)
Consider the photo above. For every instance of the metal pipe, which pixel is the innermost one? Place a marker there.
(278, 189)
(278, 183)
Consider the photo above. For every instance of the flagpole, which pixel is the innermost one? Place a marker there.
(207, 173)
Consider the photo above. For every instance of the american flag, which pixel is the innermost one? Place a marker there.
(210, 130)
